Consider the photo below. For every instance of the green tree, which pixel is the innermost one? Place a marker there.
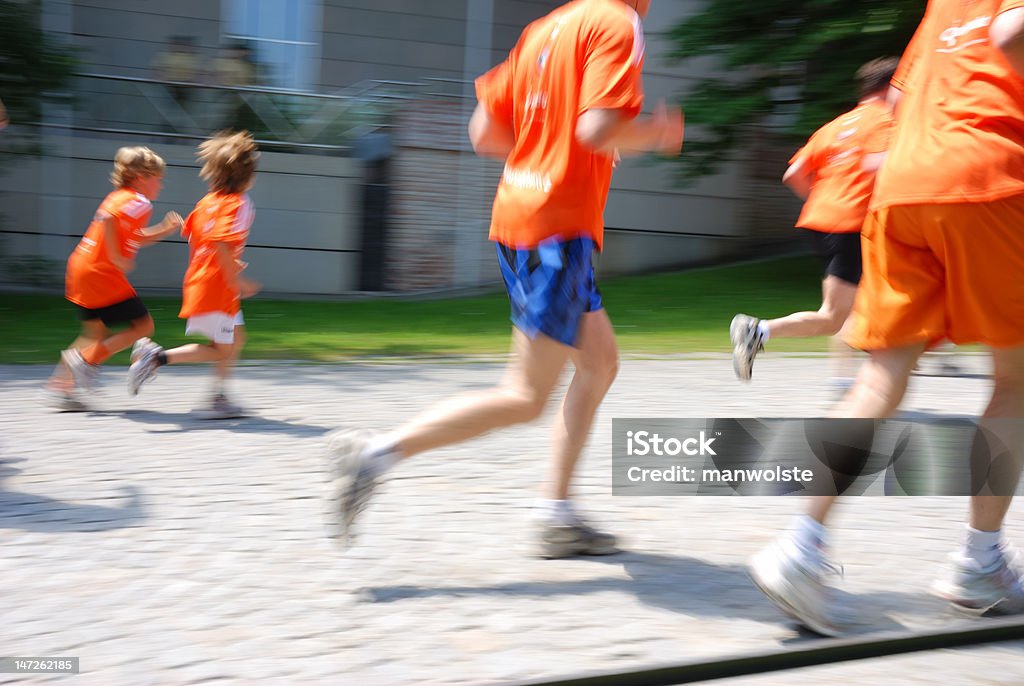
(34, 67)
(787, 65)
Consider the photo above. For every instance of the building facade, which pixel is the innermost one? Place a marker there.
(306, 69)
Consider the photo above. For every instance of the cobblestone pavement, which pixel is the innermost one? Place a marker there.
(161, 549)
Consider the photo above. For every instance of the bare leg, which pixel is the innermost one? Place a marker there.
(596, 358)
(196, 352)
(122, 340)
(520, 397)
(843, 362)
(226, 365)
(837, 298)
(878, 391)
(1002, 420)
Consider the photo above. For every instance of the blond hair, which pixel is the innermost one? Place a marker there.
(229, 161)
(131, 163)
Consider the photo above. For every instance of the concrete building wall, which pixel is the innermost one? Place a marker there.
(441, 192)
(305, 238)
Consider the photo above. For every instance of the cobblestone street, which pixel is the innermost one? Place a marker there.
(161, 549)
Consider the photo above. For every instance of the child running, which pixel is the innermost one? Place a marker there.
(835, 174)
(213, 288)
(96, 280)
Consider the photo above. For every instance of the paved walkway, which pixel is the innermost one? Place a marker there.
(161, 549)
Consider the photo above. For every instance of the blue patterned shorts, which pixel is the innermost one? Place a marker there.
(550, 287)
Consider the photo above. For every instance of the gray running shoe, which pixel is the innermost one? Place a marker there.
(221, 408)
(746, 343)
(996, 590)
(83, 373)
(144, 364)
(796, 585)
(579, 538)
(352, 482)
(140, 346)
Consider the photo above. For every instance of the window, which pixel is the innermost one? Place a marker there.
(281, 39)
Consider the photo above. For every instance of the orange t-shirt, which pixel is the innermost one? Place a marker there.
(838, 201)
(585, 55)
(960, 124)
(91, 279)
(217, 218)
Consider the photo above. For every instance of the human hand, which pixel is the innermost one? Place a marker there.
(248, 287)
(173, 222)
(667, 124)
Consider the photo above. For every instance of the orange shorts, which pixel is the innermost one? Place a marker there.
(951, 271)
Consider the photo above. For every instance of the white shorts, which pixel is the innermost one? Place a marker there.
(219, 327)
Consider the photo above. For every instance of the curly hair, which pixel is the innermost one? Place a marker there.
(229, 161)
(131, 163)
(875, 76)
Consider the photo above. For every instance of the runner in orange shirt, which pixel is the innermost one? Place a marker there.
(835, 174)
(217, 230)
(556, 110)
(97, 273)
(943, 259)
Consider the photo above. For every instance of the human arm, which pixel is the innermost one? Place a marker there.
(110, 241)
(611, 131)
(171, 222)
(1007, 34)
(232, 269)
(3, 115)
(799, 177)
(490, 136)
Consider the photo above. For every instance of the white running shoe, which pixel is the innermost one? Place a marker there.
(747, 343)
(144, 364)
(795, 583)
(352, 482)
(995, 590)
(83, 373)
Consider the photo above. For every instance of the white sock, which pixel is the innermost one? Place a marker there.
(982, 546)
(382, 454)
(808, 537)
(763, 332)
(560, 511)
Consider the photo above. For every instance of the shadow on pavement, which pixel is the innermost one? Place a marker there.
(189, 422)
(685, 585)
(30, 512)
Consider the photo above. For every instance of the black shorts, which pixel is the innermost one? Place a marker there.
(839, 253)
(124, 312)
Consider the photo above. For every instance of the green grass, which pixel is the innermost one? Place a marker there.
(668, 313)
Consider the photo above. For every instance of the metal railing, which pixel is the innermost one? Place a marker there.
(313, 122)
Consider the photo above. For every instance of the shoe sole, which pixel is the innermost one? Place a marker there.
(343, 454)
(66, 405)
(559, 551)
(944, 592)
(137, 353)
(213, 417)
(743, 367)
(791, 611)
(133, 384)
